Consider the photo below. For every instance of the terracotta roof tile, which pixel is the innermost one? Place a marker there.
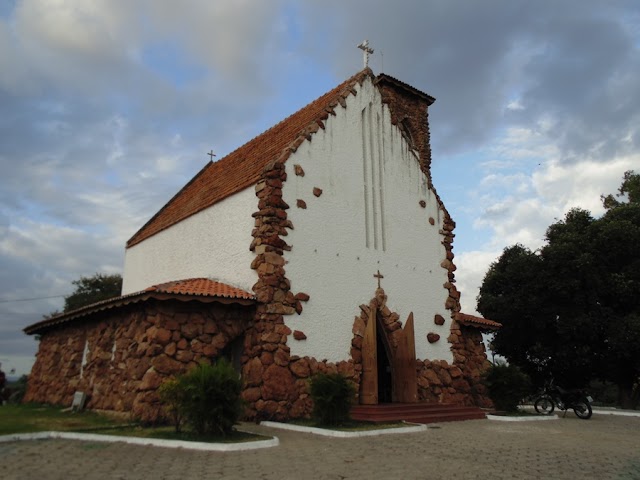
(181, 289)
(243, 167)
(479, 322)
(201, 287)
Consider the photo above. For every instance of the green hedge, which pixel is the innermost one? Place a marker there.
(507, 386)
(332, 395)
(207, 398)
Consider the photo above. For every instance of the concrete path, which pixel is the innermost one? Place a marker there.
(605, 447)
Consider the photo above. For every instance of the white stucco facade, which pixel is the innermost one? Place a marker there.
(367, 218)
(213, 243)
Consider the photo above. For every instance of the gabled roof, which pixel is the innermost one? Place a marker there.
(243, 167)
(478, 322)
(201, 289)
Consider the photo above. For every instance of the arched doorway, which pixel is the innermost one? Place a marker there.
(385, 371)
(388, 356)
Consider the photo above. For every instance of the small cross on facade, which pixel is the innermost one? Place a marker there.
(379, 276)
(211, 155)
(366, 51)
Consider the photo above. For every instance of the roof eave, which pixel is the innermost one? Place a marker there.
(384, 78)
(119, 302)
(482, 324)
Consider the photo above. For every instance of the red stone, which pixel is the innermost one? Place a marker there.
(358, 327)
(282, 329)
(298, 335)
(184, 356)
(281, 358)
(151, 380)
(301, 203)
(433, 337)
(317, 191)
(251, 394)
(163, 336)
(356, 354)
(167, 365)
(210, 351)
(432, 377)
(266, 358)
(277, 383)
(170, 349)
(438, 320)
(302, 297)
(300, 368)
(190, 330)
(252, 372)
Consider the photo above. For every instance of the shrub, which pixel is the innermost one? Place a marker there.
(332, 396)
(507, 385)
(207, 397)
(171, 394)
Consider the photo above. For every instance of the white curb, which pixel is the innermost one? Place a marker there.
(622, 413)
(156, 442)
(342, 434)
(528, 418)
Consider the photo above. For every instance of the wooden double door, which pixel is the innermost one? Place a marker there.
(388, 363)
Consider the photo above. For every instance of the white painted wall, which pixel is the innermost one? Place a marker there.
(330, 259)
(213, 243)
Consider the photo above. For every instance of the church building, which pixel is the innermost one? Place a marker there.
(320, 245)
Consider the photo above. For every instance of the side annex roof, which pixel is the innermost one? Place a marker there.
(200, 289)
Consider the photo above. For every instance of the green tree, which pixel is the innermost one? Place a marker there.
(93, 289)
(572, 308)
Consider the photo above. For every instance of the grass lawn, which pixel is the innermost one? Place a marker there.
(38, 418)
(519, 413)
(350, 426)
(168, 433)
(29, 418)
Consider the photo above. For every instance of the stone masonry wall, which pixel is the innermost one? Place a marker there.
(459, 383)
(121, 358)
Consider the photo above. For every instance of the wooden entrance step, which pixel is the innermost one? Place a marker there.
(416, 412)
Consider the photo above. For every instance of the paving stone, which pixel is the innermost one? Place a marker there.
(605, 447)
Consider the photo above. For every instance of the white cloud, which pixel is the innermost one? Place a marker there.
(471, 269)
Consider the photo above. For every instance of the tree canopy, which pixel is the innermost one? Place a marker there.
(571, 309)
(93, 289)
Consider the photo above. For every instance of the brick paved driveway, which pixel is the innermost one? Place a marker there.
(601, 448)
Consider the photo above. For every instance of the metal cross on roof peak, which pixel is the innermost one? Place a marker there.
(211, 155)
(366, 51)
(379, 276)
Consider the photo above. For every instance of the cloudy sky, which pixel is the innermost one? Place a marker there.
(109, 106)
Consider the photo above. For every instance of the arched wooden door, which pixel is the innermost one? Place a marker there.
(402, 357)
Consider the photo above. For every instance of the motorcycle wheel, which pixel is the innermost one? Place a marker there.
(582, 409)
(544, 405)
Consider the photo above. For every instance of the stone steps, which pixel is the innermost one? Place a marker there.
(416, 412)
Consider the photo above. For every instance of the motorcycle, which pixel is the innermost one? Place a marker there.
(553, 396)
